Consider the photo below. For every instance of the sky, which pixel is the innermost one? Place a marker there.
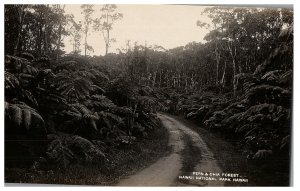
(169, 26)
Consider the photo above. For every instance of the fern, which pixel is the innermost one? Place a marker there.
(27, 56)
(45, 78)
(80, 120)
(147, 103)
(72, 86)
(21, 115)
(272, 76)
(65, 149)
(121, 111)
(11, 82)
(286, 79)
(14, 64)
(98, 75)
(111, 117)
(19, 65)
(243, 78)
(215, 120)
(26, 78)
(267, 94)
(59, 152)
(68, 65)
(200, 114)
(262, 154)
(285, 142)
(99, 102)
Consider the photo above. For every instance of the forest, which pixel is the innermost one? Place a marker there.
(93, 115)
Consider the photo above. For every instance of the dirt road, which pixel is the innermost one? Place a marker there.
(167, 170)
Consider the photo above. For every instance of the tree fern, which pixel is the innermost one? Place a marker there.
(285, 142)
(27, 56)
(35, 120)
(285, 79)
(14, 90)
(121, 111)
(70, 65)
(58, 152)
(11, 82)
(111, 117)
(21, 115)
(73, 87)
(65, 149)
(99, 102)
(267, 94)
(262, 154)
(272, 76)
(80, 120)
(21, 65)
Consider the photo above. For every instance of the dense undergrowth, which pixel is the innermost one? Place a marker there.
(69, 112)
(258, 119)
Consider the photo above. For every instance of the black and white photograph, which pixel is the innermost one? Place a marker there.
(148, 95)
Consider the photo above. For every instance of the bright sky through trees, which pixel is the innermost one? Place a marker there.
(169, 26)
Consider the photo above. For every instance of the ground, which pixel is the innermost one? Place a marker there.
(191, 155)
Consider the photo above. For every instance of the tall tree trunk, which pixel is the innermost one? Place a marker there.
(39, 40)
(160, 79)
(47, 31)
(234, 77)
(186, 83)
(233, 57)
(218, 57)
(85, 44)
(107, 39)
(58, 42)
(223, 76)
(21, 13)
(154, 79)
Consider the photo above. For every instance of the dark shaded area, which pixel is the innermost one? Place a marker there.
(122, 162)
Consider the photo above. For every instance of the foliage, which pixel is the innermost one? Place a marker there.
(105, 23)
(260, 117)
(238, 83)
(68, 99)
(25, 118)
(65, 149)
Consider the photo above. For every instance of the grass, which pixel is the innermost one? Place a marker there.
(123, 161)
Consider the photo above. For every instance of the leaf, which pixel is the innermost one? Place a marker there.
(59, 153)
(285, 141)
(262, 154)
(27, 118)
(21, 115)
(65, 149)
(11, 82)
(16, 114)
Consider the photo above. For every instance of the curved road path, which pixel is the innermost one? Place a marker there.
(166, 171)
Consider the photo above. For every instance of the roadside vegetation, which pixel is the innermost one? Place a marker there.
(69, 116)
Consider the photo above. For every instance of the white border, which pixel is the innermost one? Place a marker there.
(296, 123)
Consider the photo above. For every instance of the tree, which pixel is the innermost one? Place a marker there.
(62, 19)
(87, 10)
(21, 11)
(104, 24)
(75, 32)
(243, 35)
(44, 36)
